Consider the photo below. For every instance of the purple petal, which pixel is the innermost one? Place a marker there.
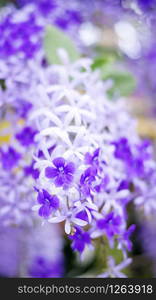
(101, 224)
(40, 198)
(59, 181)
(59, 162)
(69, 168)
(88, 158)
(51, 172)
(54, 202)
(69, 178)
(86, 238)
(96, 153)
(78, 245)
(45, 210)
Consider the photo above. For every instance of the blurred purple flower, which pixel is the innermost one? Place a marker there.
(80, 239)
(9, 158)
(48, 203)
(110, 224)
(26, 136)
(87, 179)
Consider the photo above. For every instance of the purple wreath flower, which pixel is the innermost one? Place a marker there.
(80, 239)
(48, 203)
(62, 172)
(122, 149)
(26, 136)
(31, 171)
(111, 224)
(92, 159)
(10, 158)
(87, 179)
(22, 107)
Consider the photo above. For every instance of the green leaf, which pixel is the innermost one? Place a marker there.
(103, 61)
(123, 83)
(55, 39)
(111, 67)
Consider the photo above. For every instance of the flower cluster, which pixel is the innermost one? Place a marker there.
(88, 157)
(22, 30)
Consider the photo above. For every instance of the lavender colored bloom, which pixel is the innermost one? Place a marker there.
(87, 180)
(48, 203)
(92, 159)
(22, 108)
(110, 224)
(26, 136)
(9, 158)
(122, 150)
(31, 171)
(46, 6)
(62, 173)
(80, 240)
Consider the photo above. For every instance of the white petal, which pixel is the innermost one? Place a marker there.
(79, 222)
(67, 227)
(36, 207)
(57, 219)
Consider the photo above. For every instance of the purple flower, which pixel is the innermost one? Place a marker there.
(92, 159)
(86, 180)
(9, 158)
(48, 203)
(43, 268)
(31, 171)
(46, 6)
(111, 224)
(122, 149)
(103, 184)
(26, 136)
(80, 240)
(124, 185)
(22, 107)
(62, 172)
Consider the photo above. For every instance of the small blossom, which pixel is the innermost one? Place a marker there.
(92, 159)
(48, 203)
(9, 158)
(62, 172)
(31, 171)
(26, 136)
(80, 239)
(87, 179)
(111, 224)
(122, 150)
